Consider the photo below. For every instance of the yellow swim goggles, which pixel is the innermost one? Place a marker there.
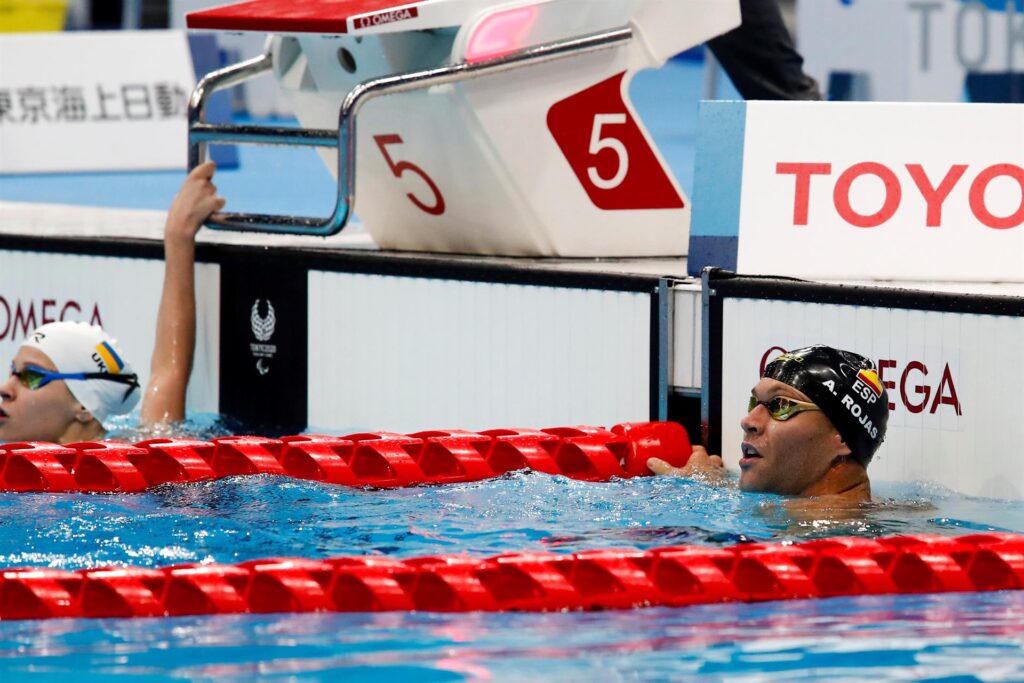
(781, 408)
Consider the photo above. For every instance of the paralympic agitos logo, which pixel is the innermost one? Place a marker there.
(262, 329)
(917, 386)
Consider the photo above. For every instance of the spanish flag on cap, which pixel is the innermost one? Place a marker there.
(870, 377)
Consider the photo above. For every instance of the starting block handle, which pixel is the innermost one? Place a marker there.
(201, 133)
(344, 139)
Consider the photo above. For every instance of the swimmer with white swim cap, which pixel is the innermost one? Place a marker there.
(68, 378)
(814, 421)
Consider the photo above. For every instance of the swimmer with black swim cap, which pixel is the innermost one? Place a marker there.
(814, 421)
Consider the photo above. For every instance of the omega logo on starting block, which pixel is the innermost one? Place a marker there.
(385, 18)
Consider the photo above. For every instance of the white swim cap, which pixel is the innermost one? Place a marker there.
(80, 347)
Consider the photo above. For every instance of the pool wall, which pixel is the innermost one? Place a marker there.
(339, 340)
(344, 340)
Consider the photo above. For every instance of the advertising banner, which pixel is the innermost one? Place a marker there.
(94, 101)
(861, 191)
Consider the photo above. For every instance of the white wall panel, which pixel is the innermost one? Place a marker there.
(406, 354)
(686, 337)
(976, 451)
(125, 292)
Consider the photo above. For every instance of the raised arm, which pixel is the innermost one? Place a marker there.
(171, 364)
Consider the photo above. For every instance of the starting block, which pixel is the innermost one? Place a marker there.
(484, 126)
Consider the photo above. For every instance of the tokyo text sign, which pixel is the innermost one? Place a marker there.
(912, 50)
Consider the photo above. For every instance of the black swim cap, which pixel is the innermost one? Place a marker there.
(845, 386)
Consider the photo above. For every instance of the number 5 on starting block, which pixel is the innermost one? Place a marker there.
(544, 159)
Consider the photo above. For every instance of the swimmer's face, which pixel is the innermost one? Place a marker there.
(788, 457)
(44, 414)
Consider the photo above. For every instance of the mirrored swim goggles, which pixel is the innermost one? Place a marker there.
(781, 408)
(34, 377)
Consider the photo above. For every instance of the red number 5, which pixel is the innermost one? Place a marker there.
(400, 167)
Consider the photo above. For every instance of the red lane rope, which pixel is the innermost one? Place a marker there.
(379, 459)
(593, 579)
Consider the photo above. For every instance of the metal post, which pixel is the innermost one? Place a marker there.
(131, 15)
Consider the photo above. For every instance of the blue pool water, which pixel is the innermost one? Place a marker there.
(943, 637)
(938, 638)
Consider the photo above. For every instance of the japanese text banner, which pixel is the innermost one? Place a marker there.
(111, 101)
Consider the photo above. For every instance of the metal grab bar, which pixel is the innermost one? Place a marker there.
(344, 139)
(263, 135)
(210, 83)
